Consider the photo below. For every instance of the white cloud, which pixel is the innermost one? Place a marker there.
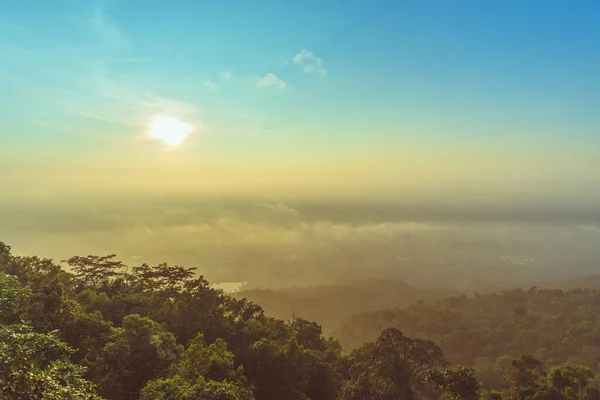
(271, 80)
(211, 85)
(226, 75)
(309, 62)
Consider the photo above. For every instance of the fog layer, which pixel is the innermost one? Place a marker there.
(272, 243)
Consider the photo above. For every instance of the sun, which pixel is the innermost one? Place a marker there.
(169, 129)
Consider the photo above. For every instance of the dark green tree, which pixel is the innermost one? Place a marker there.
(394, 359)
(203, 372)
(456, 383)
(96, 271)
(525, 376)
(34, 365)
(37, 366)
(176, 388)
(574, 382)
(138, 351)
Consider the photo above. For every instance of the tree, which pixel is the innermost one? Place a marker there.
(161, 278)
(410, 357)
(573, 382)
(491, 395)
(369, 385)
(126, 326)
(457, 382)
(213, 362)
(37, 366)
(196, 308)
(139, 351)
(393, 361)
(49, 289)
(96, 271)
(176, 388)
(203, 372)
(525, 376)
(34, 365)
(13, 299)
(309, 334)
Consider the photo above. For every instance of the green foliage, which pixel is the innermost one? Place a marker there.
(95, 271)
(179, 389)
(37, 366)
(160, 332)
(569, 377)
(49, 287)
(287, 369)
(491, 395)
(161, 278)
(573, 382)
(528, 379)
(525, 376)
(392, 366)
(213, 362)
(34, 365)
(203, 372)
(554, 326)
(13, 298)
(457, 382)
(369, 385)
(138, 351)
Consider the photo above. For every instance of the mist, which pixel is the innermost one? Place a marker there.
(277, 243)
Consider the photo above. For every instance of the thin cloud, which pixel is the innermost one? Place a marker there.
(94, 88)
(309, 62)
(108, 32)
(211, 85)
(104, 95)
(124, 105)
(271, 80)
(226, 75)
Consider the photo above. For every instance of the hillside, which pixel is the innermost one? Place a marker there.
(330, 305)
(110, 331)
(553, 325)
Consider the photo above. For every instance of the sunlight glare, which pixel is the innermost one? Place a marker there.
(169, 129)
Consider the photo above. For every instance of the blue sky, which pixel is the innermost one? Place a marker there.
(474, 89)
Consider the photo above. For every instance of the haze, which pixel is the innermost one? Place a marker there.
(441, 144)
(300, 200)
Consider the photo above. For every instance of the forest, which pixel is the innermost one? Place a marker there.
(331, 305)
(100, 329)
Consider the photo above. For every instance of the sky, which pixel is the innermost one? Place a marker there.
(414, 99)
(270, 140)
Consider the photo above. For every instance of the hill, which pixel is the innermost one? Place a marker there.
(106, 330)
(555, 326)
(330, 305)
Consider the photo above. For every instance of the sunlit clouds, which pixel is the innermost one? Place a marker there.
(309, 62)
(271, 80)
(169, 129)
(312, 242)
